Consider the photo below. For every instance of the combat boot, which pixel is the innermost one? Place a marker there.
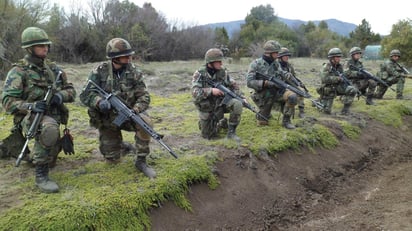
(42, 179)
(144, 167)
(399, 96)
(231, 133)
(369, 100)
(286, 122)
(126, 148)
(345, 109)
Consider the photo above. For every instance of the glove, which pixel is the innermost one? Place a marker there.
(39, 106)
(269, 84)
(57, 99)
(67, 142)
(104, 105)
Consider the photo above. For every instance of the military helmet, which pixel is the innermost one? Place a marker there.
(334, 52)
(34, 36)
(395, 52)
(271, 46)
(355, 50)
(284, 52)
(213, 55)
(118, 47)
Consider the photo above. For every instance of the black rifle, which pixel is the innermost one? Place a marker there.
(127, 114)
(34, 126)
(349, 83)
(280, 84)
(230, 94)
(404, 70)
(369, 75)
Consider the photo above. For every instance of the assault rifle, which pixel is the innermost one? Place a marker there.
(369, 75)
(230, 94)
(349, 83)
(34, 127)
(284, 85)
(125, 114)
(404, 70)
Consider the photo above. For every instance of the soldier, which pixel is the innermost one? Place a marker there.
(391, 73)
(24, 94)
(364, 85)
(333, 83)
(210, 101)
(120, 77)
(266, 93)
(283, 57)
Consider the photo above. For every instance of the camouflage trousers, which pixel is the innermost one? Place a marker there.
(210, 123)
(111, 139)
(329, 93)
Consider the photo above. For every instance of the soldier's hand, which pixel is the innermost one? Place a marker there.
(104, 105)
(217, 92)
(136, 109)
(57, 99)
(39, 106)
(269, 84)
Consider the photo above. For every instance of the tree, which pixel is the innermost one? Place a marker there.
(400, 38)
(363, 35)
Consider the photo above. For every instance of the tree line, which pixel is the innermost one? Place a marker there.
(81, 34)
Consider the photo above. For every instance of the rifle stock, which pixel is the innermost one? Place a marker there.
(125, 114)
(371, 76)
(231, 94)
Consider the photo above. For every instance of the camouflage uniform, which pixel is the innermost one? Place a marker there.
(212, 108)
(365, 86)
(266, 95)
(26, 85)
(391, 73)
(288, 67)
(333, 85)
(127, 84)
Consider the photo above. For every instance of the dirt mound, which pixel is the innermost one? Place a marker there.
(360, 185)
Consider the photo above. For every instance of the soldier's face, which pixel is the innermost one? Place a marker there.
(41, 50)
(217, 65)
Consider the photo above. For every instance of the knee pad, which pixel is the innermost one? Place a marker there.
(49, 134)
(292, 99)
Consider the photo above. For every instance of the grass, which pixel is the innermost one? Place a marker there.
(98, 196)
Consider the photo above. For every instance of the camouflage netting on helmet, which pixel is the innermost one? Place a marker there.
(395, 52)
(355, 50)
(34, 36)
(271, 46)
(118, 47)
(284, 52)
(334, 52)
(213, 55)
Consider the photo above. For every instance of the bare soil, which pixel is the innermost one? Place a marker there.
(362, 184)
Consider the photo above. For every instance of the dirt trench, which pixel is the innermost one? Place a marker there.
(362, 184)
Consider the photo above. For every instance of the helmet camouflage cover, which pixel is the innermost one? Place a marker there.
(271, 46)
(395, 52)
(213, 55)
(32, 36)
(355, 50)
(334, 52)
(118, 47)
(284, 52)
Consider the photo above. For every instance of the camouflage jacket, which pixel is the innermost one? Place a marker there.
(389, 69)
(202, 91)
(350, 72)
(127, 84)
(329, 74)
(28, 81)
(288, 67)
(256, 83)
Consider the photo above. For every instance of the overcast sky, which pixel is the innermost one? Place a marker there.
(381, 15)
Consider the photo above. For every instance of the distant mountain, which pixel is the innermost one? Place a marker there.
(341, 28)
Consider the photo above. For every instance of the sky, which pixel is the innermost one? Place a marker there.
(380, 15)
